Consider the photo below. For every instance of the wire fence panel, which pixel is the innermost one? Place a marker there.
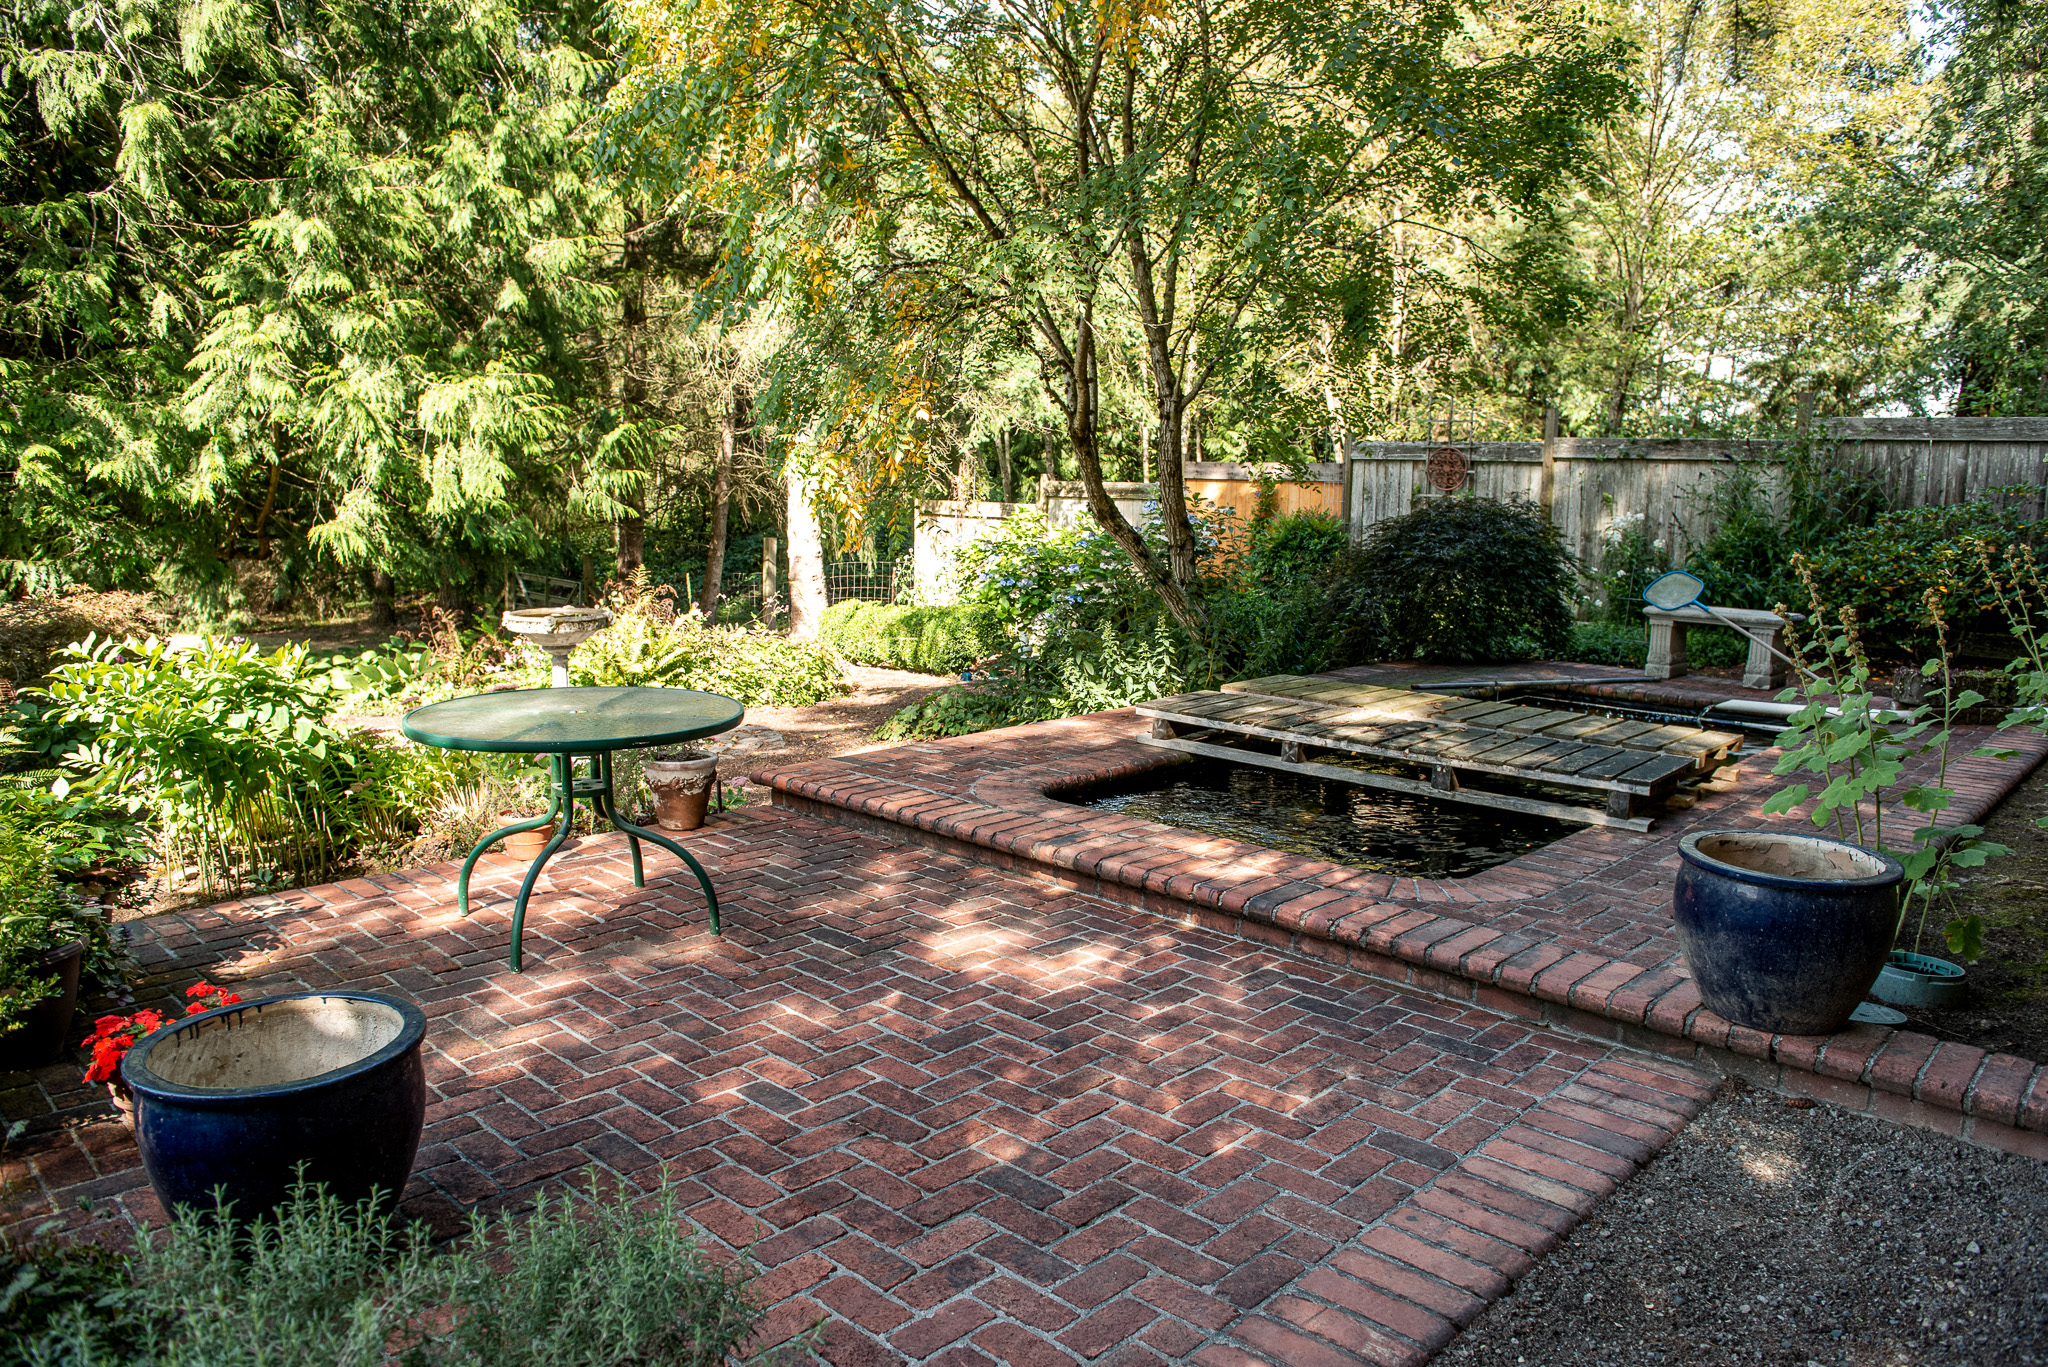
(878, 581)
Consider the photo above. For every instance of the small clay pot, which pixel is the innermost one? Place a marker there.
(681, 783)
(124, 1104)
(525, 844)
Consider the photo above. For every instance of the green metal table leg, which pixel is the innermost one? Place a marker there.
(597, 790)
(703, 880)
(611, 814)
(565, 798)
(462, 881)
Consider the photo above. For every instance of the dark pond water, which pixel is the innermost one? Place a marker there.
(1366, 828)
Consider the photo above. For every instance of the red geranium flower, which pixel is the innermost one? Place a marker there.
(113, 1036)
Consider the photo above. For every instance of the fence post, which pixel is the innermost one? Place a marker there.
(1546, 492)
(768, 589)
(1343, 442)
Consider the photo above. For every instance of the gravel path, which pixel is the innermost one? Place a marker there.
(1772, 1234)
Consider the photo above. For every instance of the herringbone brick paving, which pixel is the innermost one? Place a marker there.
(1579, 931)
(964, 1116)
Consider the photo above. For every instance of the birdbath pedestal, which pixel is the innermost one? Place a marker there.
(557, 631)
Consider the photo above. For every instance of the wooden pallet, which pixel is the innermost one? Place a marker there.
(1709, 748)
(1455, 739)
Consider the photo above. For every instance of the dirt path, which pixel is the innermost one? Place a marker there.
(777, 736)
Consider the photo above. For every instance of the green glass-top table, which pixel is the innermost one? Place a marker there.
(570, 725)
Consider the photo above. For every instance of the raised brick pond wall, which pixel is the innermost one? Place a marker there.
(1578, 933)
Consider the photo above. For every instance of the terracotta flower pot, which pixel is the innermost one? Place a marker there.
(681, 783)
(124, 1104)
(525, 844)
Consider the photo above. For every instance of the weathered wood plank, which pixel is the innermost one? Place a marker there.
(1572, 750)
(1367, 778)
(1655, 769)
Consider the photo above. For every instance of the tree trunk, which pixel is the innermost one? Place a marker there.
(1084, 432)
(806, 562)
(630, 531)
(383, 600)
(1003, 456)
(967, 475)
(721, 499)
(629, 539)
(450, 598)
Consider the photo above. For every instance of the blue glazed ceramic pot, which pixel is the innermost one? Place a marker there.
(237, 1098)
(1784, 933)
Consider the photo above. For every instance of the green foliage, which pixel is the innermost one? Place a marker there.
(81, 832)
(310, 285)
(48, 1291)
(649, 644)
(398, 787)
(228, 753)
(1296, 546)
(1959, 206)
(1883, 573)
(926, 640)
(226, 747)
(1087, 633)
(964, 709)
(1467, 579)
(36, 914)
(587, 1280)
(1629, 559)
(1763, 516)
(1608, 643)
(1231, 230)
(1626, 647)
(1026, 573)
(1856, 752)
(391, 674)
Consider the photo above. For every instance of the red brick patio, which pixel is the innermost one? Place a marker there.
(1577, 933)
(972, 1116)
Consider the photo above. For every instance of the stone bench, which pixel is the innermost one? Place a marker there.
(1766, 632)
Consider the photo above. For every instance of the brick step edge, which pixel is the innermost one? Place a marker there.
(1998, 1101)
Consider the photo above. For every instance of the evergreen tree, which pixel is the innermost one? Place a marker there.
(302, 281)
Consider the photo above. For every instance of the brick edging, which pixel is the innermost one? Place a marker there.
(1407, 930)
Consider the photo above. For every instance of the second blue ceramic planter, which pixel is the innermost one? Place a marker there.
(1784, 933)
(236, 1101)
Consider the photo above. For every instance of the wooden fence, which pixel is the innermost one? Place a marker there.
(1588, 484)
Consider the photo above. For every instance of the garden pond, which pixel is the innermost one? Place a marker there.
(1363, 828)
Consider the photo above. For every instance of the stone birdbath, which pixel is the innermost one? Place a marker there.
(557, 631)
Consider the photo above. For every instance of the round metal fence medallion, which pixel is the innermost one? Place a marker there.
(1448, 468)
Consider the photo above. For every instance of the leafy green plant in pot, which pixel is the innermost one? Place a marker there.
(1861, 750)
(1786, 933)
(1911, 977)
(49, 939)
(2012, 578)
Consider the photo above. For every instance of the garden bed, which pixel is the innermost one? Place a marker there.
(2006, 1010)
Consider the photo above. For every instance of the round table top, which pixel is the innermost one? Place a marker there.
(558, 720)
